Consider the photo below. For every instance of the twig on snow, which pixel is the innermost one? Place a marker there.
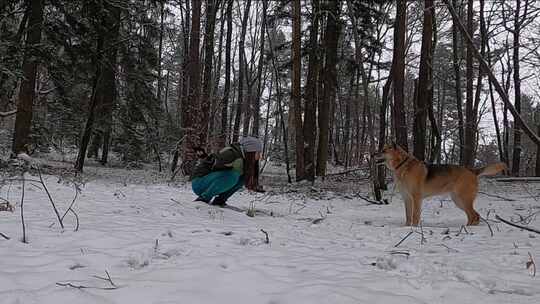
(516, 225)
(489, 226)
(4, 236)
(50, 198)
(532, 264)
(70, 208)
(400, 252)
(383, 202)
(497, 196)
(463, 228)
(68, 284)
(108, 278)
(403, 239)
(22, 211)
(267, 240)
(450, 249)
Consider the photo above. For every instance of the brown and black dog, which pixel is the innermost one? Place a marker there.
(417, 180)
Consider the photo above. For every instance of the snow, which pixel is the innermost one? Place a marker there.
(160, 247)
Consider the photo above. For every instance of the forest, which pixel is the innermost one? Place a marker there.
(106, 105)
(148, 81)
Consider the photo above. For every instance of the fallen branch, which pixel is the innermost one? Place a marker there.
(68, 284)
(346, 172)
(516, 225)
(4, 236)
(267, 240)
(497, 196)
(383, 202)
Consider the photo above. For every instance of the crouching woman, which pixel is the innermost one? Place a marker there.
(218, 176)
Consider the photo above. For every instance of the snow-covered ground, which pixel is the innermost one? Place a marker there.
(160, 247)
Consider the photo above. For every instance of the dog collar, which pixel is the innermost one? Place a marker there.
(402, 163)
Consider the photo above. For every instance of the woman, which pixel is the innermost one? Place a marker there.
(220, 175)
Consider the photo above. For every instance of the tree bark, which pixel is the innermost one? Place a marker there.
(295, 92)
(398, 75)
(241, 73)
(425, 83)
(257, 101)
(23, 118)
(191, 116)
(470, 115)
(207, 97)
(457, 75)
(310, 126)
(227, 89)
(331, 38)
(516, 154)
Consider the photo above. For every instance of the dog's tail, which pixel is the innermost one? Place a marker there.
(490, 169)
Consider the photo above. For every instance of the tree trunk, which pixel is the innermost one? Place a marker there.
(207, 97)
(191, 116)
(160, 51)
(23, 119)
(398, 75)
(516, 154)
(109, 78)
(537, 168)
(295, 90)
(257, 101)
(310, 126)
(217, 76)
(457, 73)
(241, 73)
(424, 83)
(435, 134)
(280, 119)
(470, 116)
(227, 89)
(331, 38)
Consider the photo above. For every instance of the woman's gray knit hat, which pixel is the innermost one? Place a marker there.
(251, 144)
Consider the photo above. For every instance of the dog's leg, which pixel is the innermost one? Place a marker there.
(416, 204)
(465, 201)
(408, 209)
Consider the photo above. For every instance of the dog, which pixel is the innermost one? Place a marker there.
(417, 180)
